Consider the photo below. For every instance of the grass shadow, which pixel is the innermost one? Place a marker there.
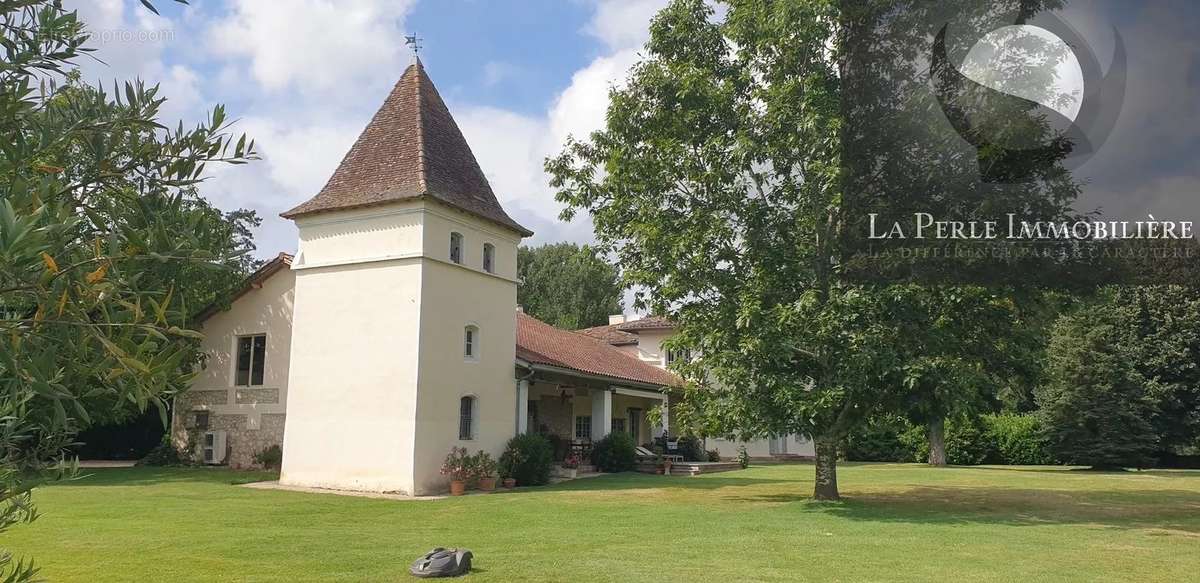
(1174, 510)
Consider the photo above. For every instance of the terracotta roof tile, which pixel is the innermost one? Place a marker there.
(541, 343)
(411, 149)
(610, 334)
(647, 323)
(254, 281)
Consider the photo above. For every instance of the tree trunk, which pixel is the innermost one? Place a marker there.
(936, 432)
(825, 485)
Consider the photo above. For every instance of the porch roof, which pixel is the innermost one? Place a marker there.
(541, 343)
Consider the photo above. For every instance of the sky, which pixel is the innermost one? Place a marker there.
(303, 77)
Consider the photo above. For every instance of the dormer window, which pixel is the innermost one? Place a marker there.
(489, 258)
(456, 248)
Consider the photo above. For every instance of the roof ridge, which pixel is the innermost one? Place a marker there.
(422, 158)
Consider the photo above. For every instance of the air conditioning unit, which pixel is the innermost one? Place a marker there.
(214, 447)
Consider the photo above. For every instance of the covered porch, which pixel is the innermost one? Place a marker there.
(576, 409)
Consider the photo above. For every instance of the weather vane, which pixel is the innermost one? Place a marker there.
(414, 43)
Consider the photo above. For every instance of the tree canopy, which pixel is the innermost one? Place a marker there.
(567, 286)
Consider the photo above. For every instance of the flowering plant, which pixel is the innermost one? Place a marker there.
(571, 462)
(458, 465)
(484, 465)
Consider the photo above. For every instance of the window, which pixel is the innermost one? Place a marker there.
(471, 343)
(251, 358)
(466, 418)
(683, 354)
(618, 425)
(201, 422)
(583, 427)
(489, 258)
(456, 248)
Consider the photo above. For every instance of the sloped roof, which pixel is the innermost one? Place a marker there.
(610, 334)
(279, 263)
(647, 323)
(541, 343)
(411, 149)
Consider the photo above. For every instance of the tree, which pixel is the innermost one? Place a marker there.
(963, 345)
(733, 168)
(97, 207)
(567, 286)
(715, 183)
(1095, 409)
(1160, 333)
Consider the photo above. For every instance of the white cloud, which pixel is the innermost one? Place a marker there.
(623, 24)
(312, 45)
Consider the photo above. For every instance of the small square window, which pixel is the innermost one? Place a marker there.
(583, 427)
(201, 420)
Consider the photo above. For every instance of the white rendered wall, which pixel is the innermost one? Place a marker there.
(351, 417)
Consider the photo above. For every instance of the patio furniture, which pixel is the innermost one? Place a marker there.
(647, 454)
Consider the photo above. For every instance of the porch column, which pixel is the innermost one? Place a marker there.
(666, 414)
(601, 413)
(522, 407)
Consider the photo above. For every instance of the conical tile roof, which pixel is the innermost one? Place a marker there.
(412, 148)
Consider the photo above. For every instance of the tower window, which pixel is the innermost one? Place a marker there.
(471, 343)
(466, 418)
(489, 258)
(456, 248)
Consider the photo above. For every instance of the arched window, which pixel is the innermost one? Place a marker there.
(489, 258)
(471, 342)
(456, 248)
(466, 418)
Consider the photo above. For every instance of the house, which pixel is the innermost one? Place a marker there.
(394, 335)
(643, 338)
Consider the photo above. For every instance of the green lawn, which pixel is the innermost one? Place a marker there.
(898, 523)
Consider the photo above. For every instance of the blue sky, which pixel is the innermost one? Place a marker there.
(304, 76)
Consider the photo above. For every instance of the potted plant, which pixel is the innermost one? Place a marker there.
(570, 466)
(485, 471)
(509, 460)
(458, 467)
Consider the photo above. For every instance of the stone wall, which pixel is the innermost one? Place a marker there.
(555, 416)
(243, 440)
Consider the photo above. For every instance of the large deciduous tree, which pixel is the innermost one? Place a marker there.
(734, 165)
(567, 285)
(101, 235)
(716, 183)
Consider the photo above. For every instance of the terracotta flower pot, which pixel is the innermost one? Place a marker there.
(458, 487)
(487, 484)
(510, 483)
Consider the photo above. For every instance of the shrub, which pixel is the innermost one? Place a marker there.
(270, 457)
(165, 454)
(615, 453)
(559, 446)
(879, 440)
(691, 449)
(528, 458)
(1016, 440)
(967, 442)
(714, 455)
